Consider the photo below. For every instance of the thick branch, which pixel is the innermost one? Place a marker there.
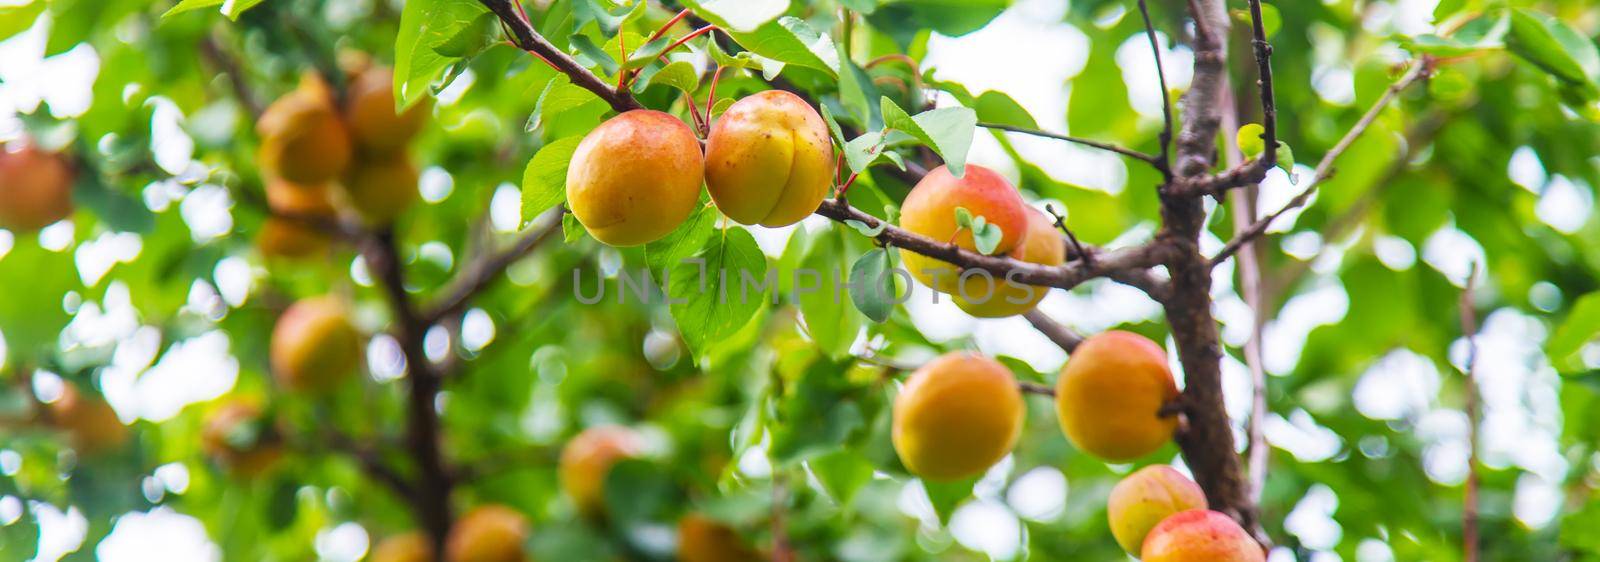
(479, 274)
(528, 39)
(1325, 167)
(1197, 138)
(432, 498)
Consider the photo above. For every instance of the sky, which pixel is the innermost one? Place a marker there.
(1521, 414)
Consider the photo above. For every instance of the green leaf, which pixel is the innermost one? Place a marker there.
(1553, 46)
(426, 25)
(868, 231)
(31, 314)
(571, 229)
(792, 41)
(709, 299)
(639, 490)
(997, 107)
(863, 151)
(817, 415)
(1580, 327)
(864, 7)
(1250, 141)
(181, 7)
(963, 218)
(472, 38)
(17, 19)
(947, 496)
(677, 74)
(904, 19)
(683, 241)
(738, 15)
(831, 323)
(607, 16)
(593, 54)
(948, 131)
(872, 271)
(559, 97)
(544, 181)
(1286, 161)
(986, 236)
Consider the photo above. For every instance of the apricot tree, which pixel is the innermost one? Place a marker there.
(315, 273)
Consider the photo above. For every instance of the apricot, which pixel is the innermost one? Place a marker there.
(635, 178)
(702, 539)
(91, 425)
(314, 345)
(405, 547)
(1111, 393)
(1147, 497)
(35, 188)
(930, 210)
(488, 533)
(379, 188)
(370, 112)
(956, 416)
(1041, 244)
(587, 459)
(1200, 535)
(303, 138)
(769, 160)
(237, 437)
(293, 238)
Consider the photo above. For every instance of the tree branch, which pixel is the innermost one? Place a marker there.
(433, 486)
(371, 463)
(1134, 154)
(1269, 109)
(480, 273)
(1325, 166)
(528, 39)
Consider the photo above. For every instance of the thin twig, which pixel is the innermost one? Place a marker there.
(1061, 223)
(1324, 168)
(1269, 109)
(1085, 142)
(1469, 330)
(1036, 388)
(212, 50)
(1164, 163)
(1061, 335)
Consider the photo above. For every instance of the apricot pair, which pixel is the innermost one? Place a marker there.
(956, 416)
(488, 533)
(1160, 515)
(354, 154)
(314, 345)
(35, 187)
(931, 210)
(635, 178)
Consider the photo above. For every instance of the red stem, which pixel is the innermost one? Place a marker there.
(711, 99)
(668, 25)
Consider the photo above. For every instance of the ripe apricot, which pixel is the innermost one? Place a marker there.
(91, 425)
(303, 138)
(769, 160)
(370, 111)
(293, 238)
(587, 459)
(957, 416)
(635, 178)
(1111, 393)
(488, 533)
(405, 547)
(1041, 244)
(702, 539)
(1200, 535)
(314, 345)
(379, 188)
(930, 210)
(35, 188)
(238, 438)
(1147, 497)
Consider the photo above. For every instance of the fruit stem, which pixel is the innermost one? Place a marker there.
(711, 101)
(666, 26)
(622, 49)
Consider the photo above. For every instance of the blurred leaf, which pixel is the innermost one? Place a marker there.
(17, 18)
(1580, 326)
(639, 490)
(817, 415)
(1553, 46)
(947, 496)
(571, 229)
(738, 15)
(544, 181)
(31, 314)
(831, 323)
(712, 301)
(842, 473)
